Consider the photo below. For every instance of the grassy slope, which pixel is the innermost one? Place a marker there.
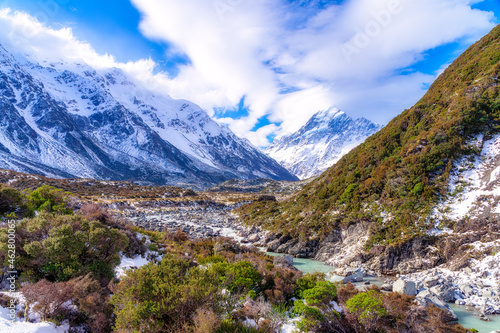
(402, 170)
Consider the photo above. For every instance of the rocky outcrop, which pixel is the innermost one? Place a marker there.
(346, 248)
(353, 275)
(286, 244)
(404, 287)
(476, 286)
(426, 298)
(415, 255)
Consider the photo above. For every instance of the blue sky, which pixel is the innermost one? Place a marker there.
(264, 67)
(110, 26)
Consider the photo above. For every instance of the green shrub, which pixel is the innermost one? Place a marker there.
(48, 199)
(368, 306)
(243, 276)
(418, 189)
(321, 295)
(61, 247)
(307, 281)
(315, 308)
(164, 297)
(11, 202)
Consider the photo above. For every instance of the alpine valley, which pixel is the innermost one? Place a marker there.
(124, 210)
(70, 120)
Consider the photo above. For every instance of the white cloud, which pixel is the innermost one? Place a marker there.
(346, 55)
(234, 45)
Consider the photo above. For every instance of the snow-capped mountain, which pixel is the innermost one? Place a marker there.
(70, 120)
(319, 144)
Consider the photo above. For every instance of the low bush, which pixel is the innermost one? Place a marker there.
(61, 247)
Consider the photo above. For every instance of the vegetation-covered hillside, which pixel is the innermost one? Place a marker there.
(396, 176)
(66, 256)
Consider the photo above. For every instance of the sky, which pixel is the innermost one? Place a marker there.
(261, 67)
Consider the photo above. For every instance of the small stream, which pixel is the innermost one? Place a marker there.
(466, 318)
(469, 320)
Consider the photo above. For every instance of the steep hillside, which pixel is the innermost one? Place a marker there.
(319, 144)
(396, 179)
(70, 120)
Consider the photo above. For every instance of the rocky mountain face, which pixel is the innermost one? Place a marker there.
(319, 144)
(422, 192)
(70, 120)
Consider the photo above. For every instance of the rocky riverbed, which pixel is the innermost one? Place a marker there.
(197, 218)
(477, 286)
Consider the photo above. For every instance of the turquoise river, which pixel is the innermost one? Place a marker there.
(466, 318)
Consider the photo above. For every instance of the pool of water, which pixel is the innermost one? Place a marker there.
(307, 265)
(466, 318)
(311, 266)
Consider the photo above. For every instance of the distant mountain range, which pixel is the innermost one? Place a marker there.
(71, 120)
(319, 144)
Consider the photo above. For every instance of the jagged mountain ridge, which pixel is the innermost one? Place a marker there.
(320, 143)
(70, 120)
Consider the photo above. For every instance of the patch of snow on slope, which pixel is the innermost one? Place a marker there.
(6, 325)
(127, 263)
(475, 186)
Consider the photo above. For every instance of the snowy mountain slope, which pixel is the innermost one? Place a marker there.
(319, 144)
(474, 185)
(63, 119)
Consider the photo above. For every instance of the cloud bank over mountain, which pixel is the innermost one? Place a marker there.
(287, 59)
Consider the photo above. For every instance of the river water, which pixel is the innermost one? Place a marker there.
(465, 318)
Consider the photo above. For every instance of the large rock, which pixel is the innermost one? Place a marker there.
(343, 247)
(273, 245)
(386, 287)
(431, 283)
(446, 293)
(284, 248)
(288, 259)
(404, 287)
(254, 238)
(285, 262)
(426, 298)
(303, 249)
(466, 289)
(354, 275)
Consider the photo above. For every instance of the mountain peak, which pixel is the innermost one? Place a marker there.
(321, 142)
(330, 113)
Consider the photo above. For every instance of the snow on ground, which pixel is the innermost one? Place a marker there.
(137, 261)
(290, 326)
(25, 327)
(127, 263)
(20, 326)
(475, 184)
(250, 323)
